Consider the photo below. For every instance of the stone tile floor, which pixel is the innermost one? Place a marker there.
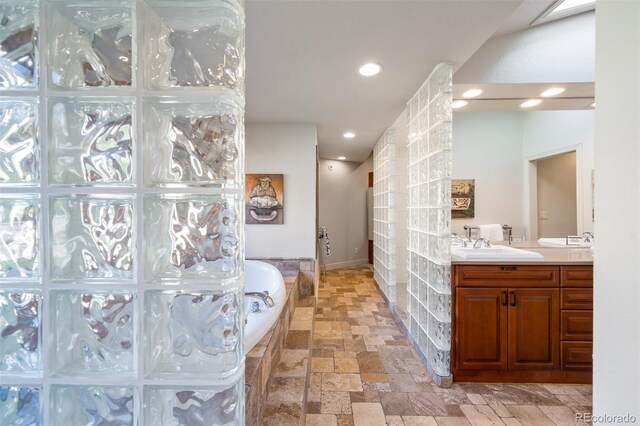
(364, 372)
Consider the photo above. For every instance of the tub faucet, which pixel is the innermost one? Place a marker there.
(482, 242)
(264, 296)
(587, 237)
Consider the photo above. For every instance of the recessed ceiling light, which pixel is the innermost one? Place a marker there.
(472, 93)
(370, 69)
(342, 157)
(459, 104)
(349, 135)
(554, 91)
(530, 103)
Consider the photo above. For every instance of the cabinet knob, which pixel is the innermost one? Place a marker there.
(508, 268)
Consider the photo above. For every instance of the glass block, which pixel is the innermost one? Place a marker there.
(440, 137)
(93, 333)
(413, 330)
(90, 45)
(19, 145)
(195, 142)
(440, 305)
(440, 277)
(440, 80)
(194, 406)
(20, 332)
(18, 46)
(193, 238)
(19, 237)
(193, 334)
(440, 109)
(90, 141)
(92, 405)
(440, 333)
(438, 359)
(91, 237)
(194, 46)
(20, 405)
(440, 194)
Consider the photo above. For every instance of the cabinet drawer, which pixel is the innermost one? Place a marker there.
(576, 325)
(577, 356)
(507, 276)
(576, 298)
(576, 276)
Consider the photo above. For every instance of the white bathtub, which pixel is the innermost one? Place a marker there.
(261, 277)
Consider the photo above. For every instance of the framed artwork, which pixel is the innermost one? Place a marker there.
(264, 199)
(463, 198)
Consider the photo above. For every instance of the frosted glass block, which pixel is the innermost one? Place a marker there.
(19, 145)
(440, 137)
(20, 336)
(18, 46)
(90, 45)
(443, 249)
(439, 359)
(93, 333)
(193, 334)
(440, 80)
(414, 108)
(423, 340)
(91, 237)
(440, 333)
(423, 96)
(440, 277)
(424, 318)
(440, 193)
(440, 305)
(194, 406)
(92, 405)
(423, 267)
(440, 109)
(424, 195)
(424, 123)
(90, 141)
(194, 46)
(19, 237)
(414, 328)
(20, 405)
(195, 142)
(193, 238)
(424, 170)
(423, 245)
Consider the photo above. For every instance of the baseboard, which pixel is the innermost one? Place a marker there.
(348, 264)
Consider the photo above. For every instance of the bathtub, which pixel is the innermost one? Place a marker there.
(261, 277)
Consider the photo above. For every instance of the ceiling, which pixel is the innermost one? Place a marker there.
(302, 59)
(508, 97)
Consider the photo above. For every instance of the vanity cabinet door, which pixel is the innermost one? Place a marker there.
(534, 329)
(481, 328)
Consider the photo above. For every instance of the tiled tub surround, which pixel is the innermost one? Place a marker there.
(133, 261)
(262, 360)
(306, 267)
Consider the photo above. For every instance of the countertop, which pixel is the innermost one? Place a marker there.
(552, 256)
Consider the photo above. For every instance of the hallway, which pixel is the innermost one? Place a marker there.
(364, 372)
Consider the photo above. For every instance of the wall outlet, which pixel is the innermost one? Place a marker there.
(543, 215)
(357, 250)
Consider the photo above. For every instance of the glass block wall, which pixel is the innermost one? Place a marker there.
(429, 265)
(121, 219)
(384, 245)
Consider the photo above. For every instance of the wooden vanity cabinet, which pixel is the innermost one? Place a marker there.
(519, 323)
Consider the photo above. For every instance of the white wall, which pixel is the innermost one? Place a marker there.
(559, 51)
(616, 375)
(487, 147)
(547, 133)
(289, 149)
(343, 210)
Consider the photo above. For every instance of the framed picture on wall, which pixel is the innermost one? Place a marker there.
(463, 198)
(264, 199)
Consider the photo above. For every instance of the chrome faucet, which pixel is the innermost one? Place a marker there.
(463, 241)
(264, 296)
(587, 237)
(482, 242)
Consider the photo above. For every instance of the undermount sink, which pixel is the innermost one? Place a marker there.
(495, 252)
(560, 242)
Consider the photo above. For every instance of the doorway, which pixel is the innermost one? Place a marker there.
(557, 196)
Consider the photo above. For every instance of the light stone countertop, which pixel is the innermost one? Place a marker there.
(552, 256)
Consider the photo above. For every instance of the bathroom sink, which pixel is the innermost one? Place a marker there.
(560, 242)
(495, 252)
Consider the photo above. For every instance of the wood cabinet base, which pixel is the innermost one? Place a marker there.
(502, 376)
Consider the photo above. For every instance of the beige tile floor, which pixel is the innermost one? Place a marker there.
(364, 372)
